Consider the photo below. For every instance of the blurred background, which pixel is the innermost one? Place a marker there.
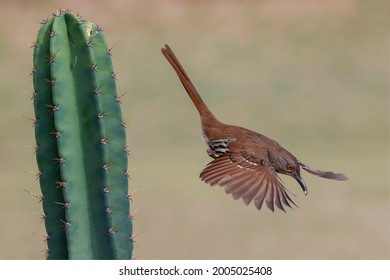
(313, 75)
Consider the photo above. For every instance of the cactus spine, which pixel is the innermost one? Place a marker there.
(81, 143)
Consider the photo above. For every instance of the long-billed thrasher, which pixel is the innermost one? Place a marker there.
(245, 163)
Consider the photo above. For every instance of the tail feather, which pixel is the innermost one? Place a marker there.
(185, 80)
(324, 174)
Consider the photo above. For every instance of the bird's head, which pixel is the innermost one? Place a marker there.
(286, 163)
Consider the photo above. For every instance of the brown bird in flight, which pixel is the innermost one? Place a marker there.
(245, 163)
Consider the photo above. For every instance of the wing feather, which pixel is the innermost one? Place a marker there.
(244, 176)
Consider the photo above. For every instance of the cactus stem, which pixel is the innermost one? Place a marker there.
(82, 144)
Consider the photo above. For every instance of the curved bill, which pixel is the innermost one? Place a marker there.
(301, 183)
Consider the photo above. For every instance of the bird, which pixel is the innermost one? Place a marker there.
(245, 163)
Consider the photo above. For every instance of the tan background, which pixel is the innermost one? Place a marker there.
(311, 74)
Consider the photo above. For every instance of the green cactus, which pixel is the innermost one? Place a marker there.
(81, 142)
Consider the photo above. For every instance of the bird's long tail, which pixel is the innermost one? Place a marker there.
(185, 80)
(324, 174)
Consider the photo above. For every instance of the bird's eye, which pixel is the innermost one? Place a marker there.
(290, 167)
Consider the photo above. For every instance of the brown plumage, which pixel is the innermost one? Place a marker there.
(245, 163)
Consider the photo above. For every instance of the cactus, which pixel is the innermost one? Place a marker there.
(81, 147)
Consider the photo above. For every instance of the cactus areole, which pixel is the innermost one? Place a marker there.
(81, 142)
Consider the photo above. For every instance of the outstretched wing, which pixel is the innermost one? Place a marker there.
(245, 177)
